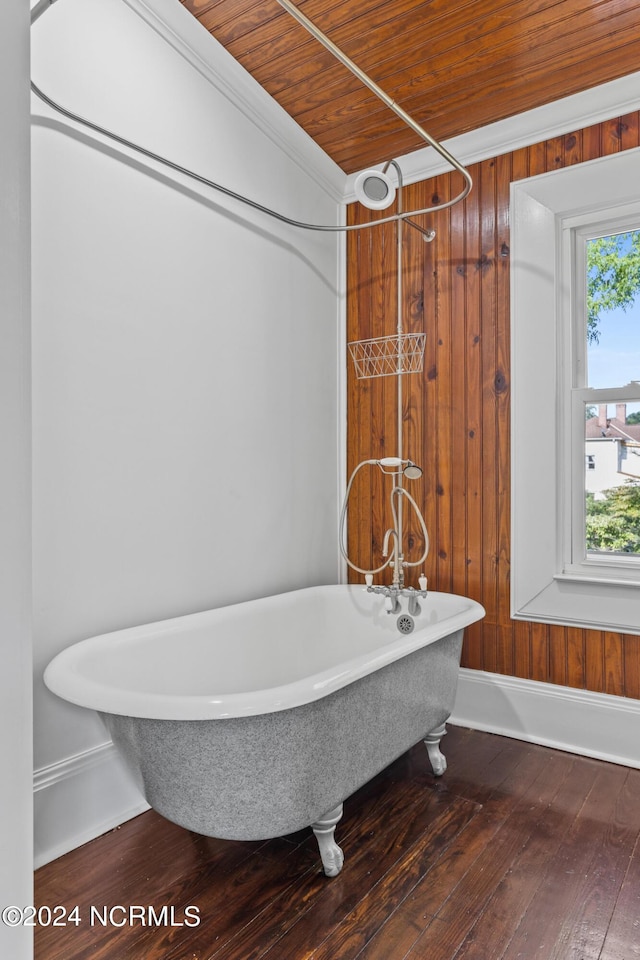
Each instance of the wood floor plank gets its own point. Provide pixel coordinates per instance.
(226, 902)
(368, 862)
(147, 854)
(565, 882)
(515, 891)
(622, 941)
(131, 847)
(458, 914)
(586, 925)
(476, 773)
(371, 913)
(409, 921)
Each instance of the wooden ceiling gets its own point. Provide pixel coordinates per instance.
(453, 66)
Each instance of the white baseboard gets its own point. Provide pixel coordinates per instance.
(576, 721)
(79, 799)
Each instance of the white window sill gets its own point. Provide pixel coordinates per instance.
(595, 578)
(587, 603)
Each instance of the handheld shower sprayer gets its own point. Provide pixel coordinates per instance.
(409, 468)
(396, 467)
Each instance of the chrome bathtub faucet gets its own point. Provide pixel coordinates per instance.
(392, 595)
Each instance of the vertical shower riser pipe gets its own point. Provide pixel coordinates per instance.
(399, 571)
(398, 575)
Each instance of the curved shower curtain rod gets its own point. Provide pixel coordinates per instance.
(43, 5)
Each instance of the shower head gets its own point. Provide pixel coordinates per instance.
(412, 471)
(374, 189)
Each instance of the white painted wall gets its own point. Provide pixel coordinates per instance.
(15, 541)
(185, 354)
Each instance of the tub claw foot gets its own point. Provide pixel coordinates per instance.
(330, 853)
(436, 757)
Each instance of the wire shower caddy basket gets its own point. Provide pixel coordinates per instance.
(388, 356)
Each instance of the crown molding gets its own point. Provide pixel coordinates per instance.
(201, 50)
(613, 99)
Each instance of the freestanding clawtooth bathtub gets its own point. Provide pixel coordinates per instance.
(258, 719)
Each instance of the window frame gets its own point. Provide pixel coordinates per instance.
(551, 214)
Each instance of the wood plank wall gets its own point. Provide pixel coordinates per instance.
(456, 413)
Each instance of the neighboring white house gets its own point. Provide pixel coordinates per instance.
(612, 450)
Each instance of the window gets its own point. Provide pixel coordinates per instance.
(575, 442)
(604, 374)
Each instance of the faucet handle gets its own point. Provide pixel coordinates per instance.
(423, 583)
(368, 579)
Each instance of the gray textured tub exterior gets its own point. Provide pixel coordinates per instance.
(251, 778)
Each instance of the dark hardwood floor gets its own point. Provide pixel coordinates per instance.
(518, 852)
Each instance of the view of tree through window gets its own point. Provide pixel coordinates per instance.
(612, 430)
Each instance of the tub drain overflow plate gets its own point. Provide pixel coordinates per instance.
(405, 623)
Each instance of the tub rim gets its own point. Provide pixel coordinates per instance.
(63, 676)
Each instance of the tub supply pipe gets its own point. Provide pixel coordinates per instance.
(392, 596)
